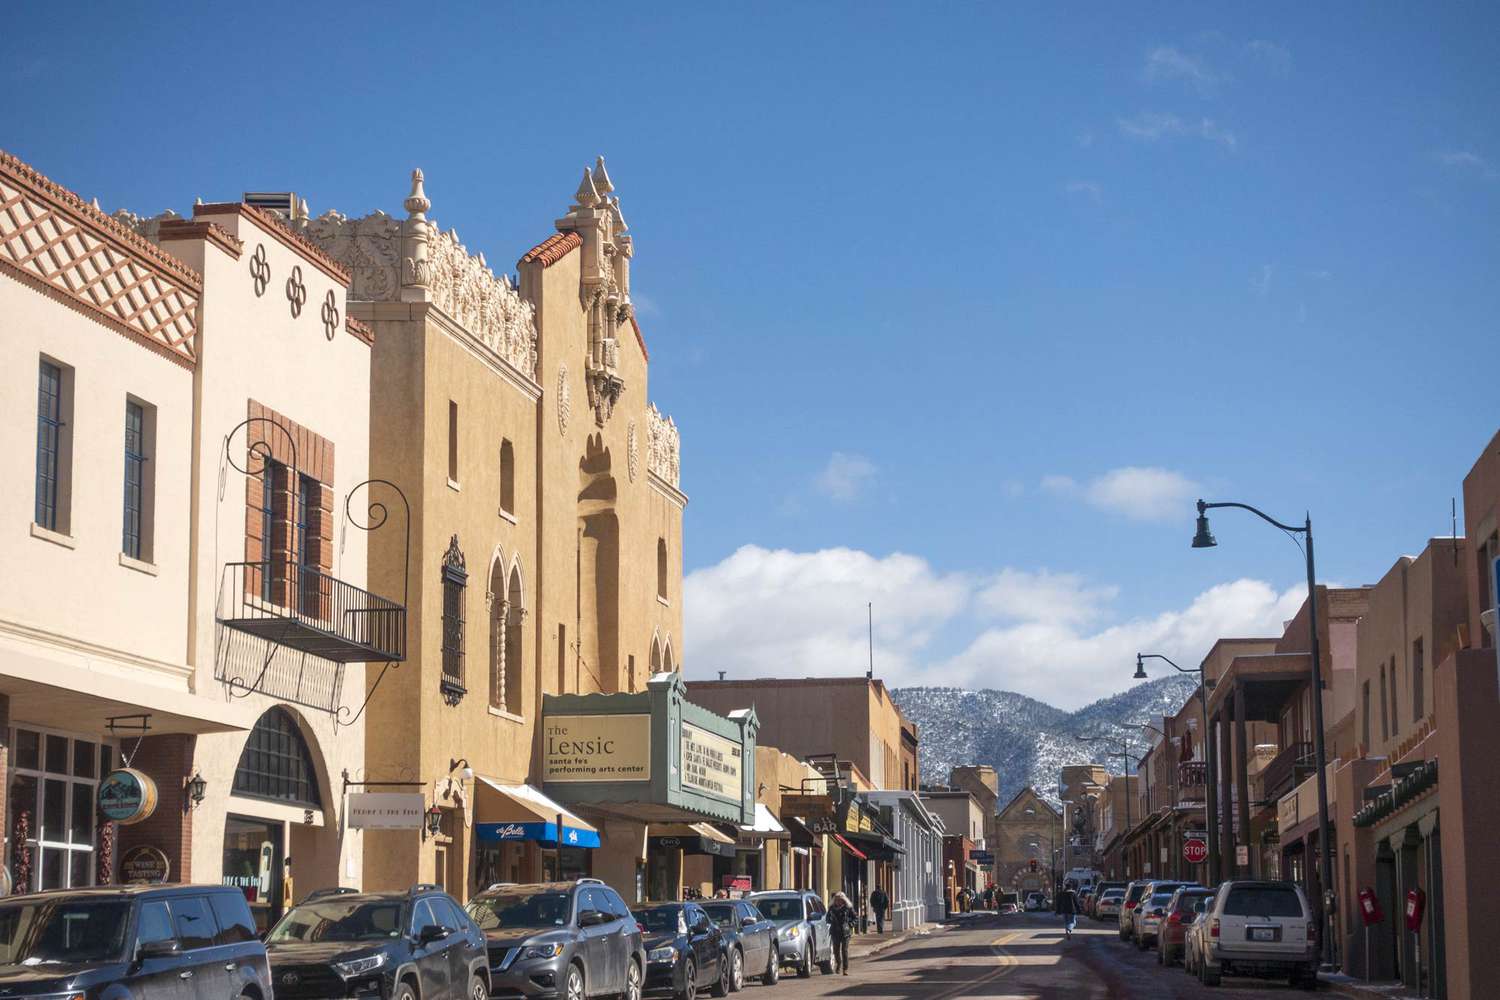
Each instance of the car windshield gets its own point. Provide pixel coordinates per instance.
(1161, 899)
(1113, 894)
(721, 913)
(339, 918)
(75, 931)
(1188, 900)
(780, 908)
(1263, 901)
(661, 920)
(509, 908)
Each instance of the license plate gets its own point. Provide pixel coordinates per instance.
(1264, 933)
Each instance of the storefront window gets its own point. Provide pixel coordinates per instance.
(52, 801)
(253, 864)
(276, 763)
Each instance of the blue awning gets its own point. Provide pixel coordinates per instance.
(543, 833)
(520, 812)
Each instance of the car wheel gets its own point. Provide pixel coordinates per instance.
(689, 989)
(826, 968)
(720, 987)
(804, 967)
(736, 971)
(773, 969)
(1207, 977)
(632, 982)
(573, 989)
(477, 989)
(404, 991)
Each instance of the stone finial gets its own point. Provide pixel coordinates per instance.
(416, 203)
(198, 200)
(299, 212)
(587, 195)
(94, 203)
(601, 178)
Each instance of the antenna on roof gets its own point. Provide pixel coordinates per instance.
(1453, 513)
(870, 611)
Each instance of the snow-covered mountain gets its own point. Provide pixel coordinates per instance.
(1027, 741)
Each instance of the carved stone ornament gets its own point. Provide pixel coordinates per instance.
(395, 261)
(330, 315)
(260, 270)
(564, 399)
(296, 291)
(604, 288)
(662, 456)
(632, 452)
(453, 559)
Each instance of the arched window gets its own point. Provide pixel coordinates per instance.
(507, 477)
(661, 568)
(655, 655)
(276, 763)
(667, 663)
(455, 578)
(497, 633)
(515, 615)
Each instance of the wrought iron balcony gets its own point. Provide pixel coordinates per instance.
(1192, 781)
(1286, 769)
(301, 608)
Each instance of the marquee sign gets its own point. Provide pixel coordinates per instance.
(710, 763)
(596, 748)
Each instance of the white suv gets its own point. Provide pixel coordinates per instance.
(1260, 929)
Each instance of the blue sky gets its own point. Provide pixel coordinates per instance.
(958, 306)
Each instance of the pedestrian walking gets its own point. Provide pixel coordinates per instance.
(841, 928)
(1067, 906)
(879, 902)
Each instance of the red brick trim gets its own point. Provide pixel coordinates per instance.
(168, 759)
(283, 233)
(360, 329)
(105, 319)
(106, 228)
(553, 249)
(638, 338)
(184, 229)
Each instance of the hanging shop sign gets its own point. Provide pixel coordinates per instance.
(127, 796)
(144, 865)
(807, 806)
(596, 748)
(386, 810)
(710, 763)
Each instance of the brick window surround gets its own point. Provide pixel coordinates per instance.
(291, 528)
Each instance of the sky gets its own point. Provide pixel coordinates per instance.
(958, 306)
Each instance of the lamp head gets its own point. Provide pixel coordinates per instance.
(1140, 668)
(1203, 538)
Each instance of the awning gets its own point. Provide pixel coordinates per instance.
(521, 812)
(692, 838)
(877, 846)
(765, 825)
(850, 847)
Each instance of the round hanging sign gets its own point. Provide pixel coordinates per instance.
(144, 865)
(127, 796)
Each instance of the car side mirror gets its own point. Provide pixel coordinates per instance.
(431, 933)
(591, 918)
(158, 949)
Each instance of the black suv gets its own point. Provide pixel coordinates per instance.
(187, 942)
(560, 939)
(387, 945)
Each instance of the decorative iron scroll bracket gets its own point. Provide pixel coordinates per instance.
(375, 518)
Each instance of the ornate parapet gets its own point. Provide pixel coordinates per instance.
(663, 446)
(393, 261)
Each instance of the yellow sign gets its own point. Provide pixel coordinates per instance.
(711, 764)
(596, 748)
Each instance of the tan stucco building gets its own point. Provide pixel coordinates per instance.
(1028, 836)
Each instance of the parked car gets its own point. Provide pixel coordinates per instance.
(1036, 902)
(1196, 934)
(567, 939)
(1009, 908)
(1138, 916)
(1108, 906)
(752, 941)
(1182, 908)
(1259, 928)
(1085, 900)
(417, 942)
(1127, 907)
(1100, 889)
(1149, 914)
(685, 950)
(190, 941)
(802, 933)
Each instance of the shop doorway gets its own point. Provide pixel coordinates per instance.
(254, 863)
(54, 783)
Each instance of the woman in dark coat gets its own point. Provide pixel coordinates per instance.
(1067, 906)
(841, 929)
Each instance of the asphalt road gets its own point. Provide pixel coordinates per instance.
(1016, 957)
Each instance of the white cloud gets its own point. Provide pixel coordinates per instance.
(1468, 162)
(1150, 126)
(1167, 63)
(845, 476)
(1140, 493)
(1276, 57)
(1089, 189)
(777, 613)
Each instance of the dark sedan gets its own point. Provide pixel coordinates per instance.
(685, 950)
(751, 941)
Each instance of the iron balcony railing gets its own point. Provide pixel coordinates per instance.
(301, 608)
(1286, 769)
(1192, 781)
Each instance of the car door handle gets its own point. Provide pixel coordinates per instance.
(185, 974)
(229, 966)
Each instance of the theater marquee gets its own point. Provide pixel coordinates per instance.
(596, 748)
(710, 763)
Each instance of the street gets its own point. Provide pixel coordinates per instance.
(1019, 956)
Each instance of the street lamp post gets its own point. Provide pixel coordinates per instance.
(1209, 757)
(1123, 752)
(1204, 539)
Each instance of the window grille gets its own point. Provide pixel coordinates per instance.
(48, 433)
(135, 466)
(276, 763)
(455, 578)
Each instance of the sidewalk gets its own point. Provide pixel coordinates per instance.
(865, 945)
(1349, 986)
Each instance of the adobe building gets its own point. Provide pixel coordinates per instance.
(980, 781)
(1028, 842)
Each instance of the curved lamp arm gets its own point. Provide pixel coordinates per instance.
(1257, 512)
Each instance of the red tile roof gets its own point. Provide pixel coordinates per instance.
(553, 249)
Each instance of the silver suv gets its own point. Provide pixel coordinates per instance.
(803, 938)
(560, 939)
(1258, 929)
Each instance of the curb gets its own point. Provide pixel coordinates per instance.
(1359, 989)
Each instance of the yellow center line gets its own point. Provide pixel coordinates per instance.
(1007, 963)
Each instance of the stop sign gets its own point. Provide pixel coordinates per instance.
(1195, 852)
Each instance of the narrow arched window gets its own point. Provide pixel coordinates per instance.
(455, 578)
(655, 656)
(661, 568)
(507, 478)
(498, 634)
(277, 764)
(514, 672)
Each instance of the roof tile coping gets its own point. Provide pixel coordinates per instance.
(553, 249)
(187, 229)
(42, 185)
(310, 251)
